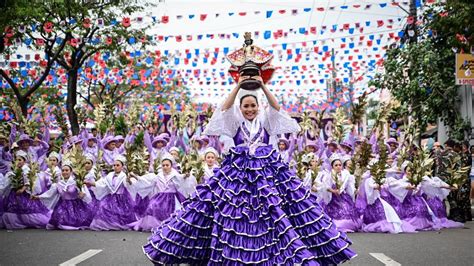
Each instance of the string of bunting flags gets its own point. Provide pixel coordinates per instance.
(272, 13)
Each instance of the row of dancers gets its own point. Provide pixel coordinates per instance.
(123, 200)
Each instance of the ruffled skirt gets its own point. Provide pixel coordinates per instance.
(254, 211)
(342, 210)
(160, 207)
(71, 215)
(115, 212)
(20, 211)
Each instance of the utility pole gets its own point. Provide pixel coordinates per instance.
(412, 32)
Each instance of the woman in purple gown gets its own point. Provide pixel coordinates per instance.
(339, 196)
(254, 210)
(163, 192)
(20, 210)
(116, 206)
(413, 207)
(71, 209)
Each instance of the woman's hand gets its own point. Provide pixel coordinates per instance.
(241, 79)
(81, 195)
(21, 190)
(410, 187)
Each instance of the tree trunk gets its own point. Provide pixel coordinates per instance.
(71, 100)
(23, 103)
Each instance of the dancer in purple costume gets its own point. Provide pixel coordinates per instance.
(413, 208)
(20, 210)
(116, 208)
(71, 209)
(434, 192)
(339, 197)
(378, 215)
(162, 189)
(254, 210)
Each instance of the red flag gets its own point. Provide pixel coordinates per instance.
(202, 17)
(165, 19)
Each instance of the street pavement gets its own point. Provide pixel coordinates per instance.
(42, 247)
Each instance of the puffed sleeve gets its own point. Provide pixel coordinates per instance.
(223, 122)
(279, 122)
(50, 197)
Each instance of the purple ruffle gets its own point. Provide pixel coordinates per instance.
(438, 208)
(253, 211)
(20, 211)
(115, 212)
(342, 210)
(71, 215)
(160, 208)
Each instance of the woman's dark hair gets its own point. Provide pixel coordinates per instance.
(248, 95)
(332, 163)
(169, 160)
(344, 165)
(68, 166)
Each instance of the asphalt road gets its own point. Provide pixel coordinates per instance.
(42, 247)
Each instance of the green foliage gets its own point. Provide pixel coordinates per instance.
(358, 109)
(339, 131)
(360, 161)
(456, 174)
(77, 158)
(16, 178)
(193, 164)
(420, 75)
(420, 166)
(377, 170)
(121, 127)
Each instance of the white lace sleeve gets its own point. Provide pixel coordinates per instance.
(279, 122)
(223, 122)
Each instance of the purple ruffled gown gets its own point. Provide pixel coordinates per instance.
(164, 200)
(21, 211)
(116, 206)
(341, 208)
(253, 211)
(70, 212)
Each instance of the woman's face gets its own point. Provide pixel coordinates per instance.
(348, 164)
(210, 159)
(159, 144)
(310, 149)
(313, 163)
(249, 108)
(282, 146)
(175, 154)
(88, 165)
(111, 146)
(118, 167)
(337, 166)
(91, 143)
(53, 161)
(66, 172)
(20, 162)
(166, 166)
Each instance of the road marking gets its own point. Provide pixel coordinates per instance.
(384, 259)
(82, 257)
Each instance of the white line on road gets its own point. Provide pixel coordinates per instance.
(82, 257)
(384, 259)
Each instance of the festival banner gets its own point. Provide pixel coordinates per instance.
(464, 69)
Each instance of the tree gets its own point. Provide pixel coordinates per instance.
(420, 75)
(24, 85)
(91, 27)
